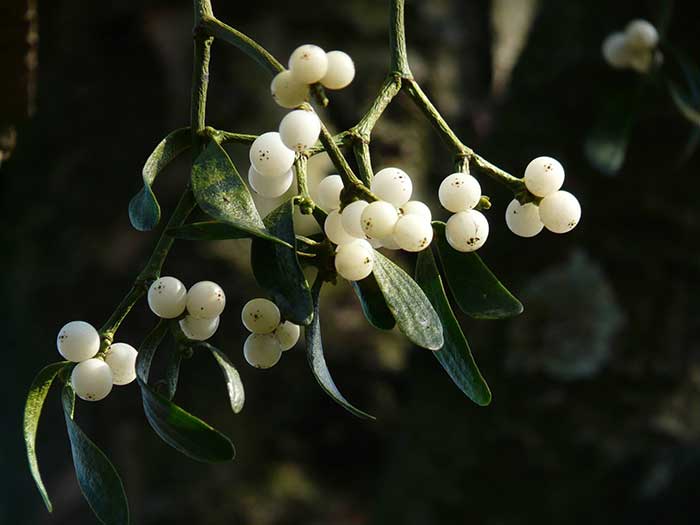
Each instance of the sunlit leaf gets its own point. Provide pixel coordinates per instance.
(144, 210)
(314, 351)
(277, 270)
(477, 291)
(684, 107)
(32, 412)
(234, 385)
(97, 477)
(221, 193)
(415, 316)
(455, 356)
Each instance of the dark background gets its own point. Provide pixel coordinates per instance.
(596, 410)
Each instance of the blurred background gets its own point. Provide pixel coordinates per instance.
(596, 387)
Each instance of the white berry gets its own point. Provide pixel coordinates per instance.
(417, 208)
(308, 64)
(287, 92)
(543, 176)
(641, 60)
(269, 156)
(260, 316)
(467, 231)
(270, 187)
(615, 50)
(389, 243)
(262, 350)
(641, 34)
(459, 192)
(523, 219)
(92, 380)
(329, 192)
(206, 300)
(340, 70)
(199, 329)
(378, 219)
(352, 218)
(392, 185)
(333, 227)
(287, 335)
(354, 261)
(167, 297)
(78, 341)
(560, 212)
(299, 129)
(121, 359)
(413, 233)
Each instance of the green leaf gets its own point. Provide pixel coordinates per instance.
(144, 210)
(455, 356)
(222, 195)
(314, 351)
(476, 290)
(97, 477)
(32, 412)
(373, 304)
(412, 310)
(690, 113)
(208, 231)
(234, 385)
(172, 373)
(184, 432)
(277, 270)
(178, 428)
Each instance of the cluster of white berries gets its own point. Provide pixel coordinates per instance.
(393, 222)
(558, 211)
(272, 154)
(93, 377)
(634, 48)
(269, 336)
(168, 298)
(467, 229)
(309, 64)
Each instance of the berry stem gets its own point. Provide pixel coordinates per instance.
(461, 151)
(390, 88)
(224, 137)
(214, 27)
(364, 161)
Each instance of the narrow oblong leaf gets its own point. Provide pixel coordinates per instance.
(208, 231)
(144, 210)
(415, 316)
(32, 412)
(184, 432)
(172, 373)
(222, 194)
(277, 270)
(455, 356)
(181, 430)
(234, 385)
(373, 304)
(98, 479)
(314, 352)
(476, 290)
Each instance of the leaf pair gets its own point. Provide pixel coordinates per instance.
(97, 477)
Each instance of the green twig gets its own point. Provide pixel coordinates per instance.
(397, 40)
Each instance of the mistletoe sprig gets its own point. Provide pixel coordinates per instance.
(358, 213)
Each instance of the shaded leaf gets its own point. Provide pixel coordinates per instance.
(476, 290)
(148, 348)
(172, 373)
(234, 385)
(455, 356)
(415, 316)
(221, 193)
(144, 210)
(277, 270)
(314, 351)
(208, 231)
(184, 432)
(97, 477)
(32, 412)
(373, 304)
